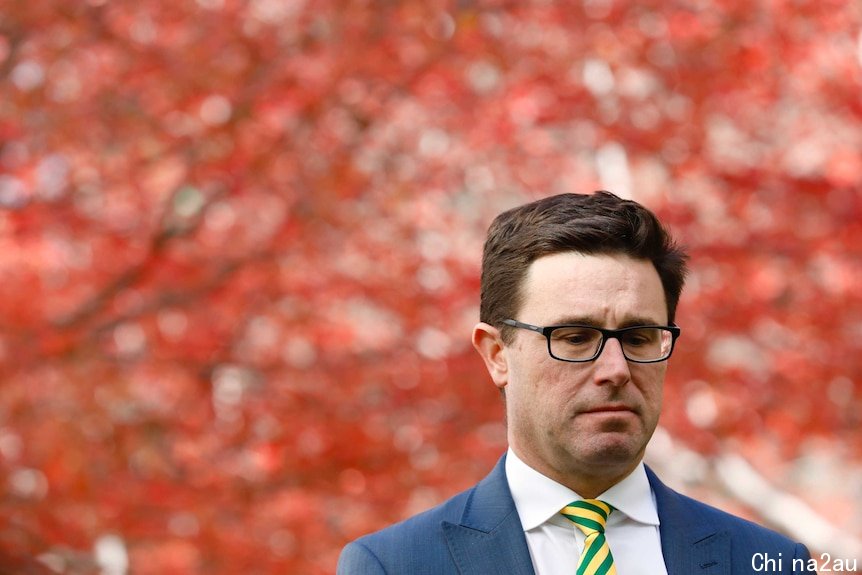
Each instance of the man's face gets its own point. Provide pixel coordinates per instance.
(584, 419)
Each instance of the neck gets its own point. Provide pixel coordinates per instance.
(587, 485)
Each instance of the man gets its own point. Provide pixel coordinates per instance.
(578, 299)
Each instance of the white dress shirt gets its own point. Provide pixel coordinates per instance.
(555, 542)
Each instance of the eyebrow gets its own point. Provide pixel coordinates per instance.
(593, 322)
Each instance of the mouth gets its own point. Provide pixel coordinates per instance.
(621, 409)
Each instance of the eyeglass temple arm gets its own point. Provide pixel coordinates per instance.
(518, 324)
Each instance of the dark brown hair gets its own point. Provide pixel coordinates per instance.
(599, 223)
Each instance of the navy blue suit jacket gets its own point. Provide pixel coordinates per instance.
(478, 532)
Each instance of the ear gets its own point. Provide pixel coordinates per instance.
(489, 344)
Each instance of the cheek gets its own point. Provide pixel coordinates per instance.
(651, 384)
(530, 366)
(535, 386)
(654, 384)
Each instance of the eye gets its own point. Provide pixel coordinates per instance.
(576, 336)
(640, 337)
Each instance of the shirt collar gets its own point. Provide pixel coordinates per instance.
(539, 498)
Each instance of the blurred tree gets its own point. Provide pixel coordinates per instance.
(240, 242)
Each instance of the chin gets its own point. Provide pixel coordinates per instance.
(613, 452)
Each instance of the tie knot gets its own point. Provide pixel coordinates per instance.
(589, 515)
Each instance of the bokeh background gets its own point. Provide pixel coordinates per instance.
(240, 244)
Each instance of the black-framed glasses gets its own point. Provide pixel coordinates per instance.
(583, 343)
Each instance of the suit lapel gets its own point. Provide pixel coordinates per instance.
(489, 537)
(690, 546)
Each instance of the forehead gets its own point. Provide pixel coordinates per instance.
(610, 289)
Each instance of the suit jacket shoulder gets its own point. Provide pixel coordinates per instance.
(699, 539)
(404, 547)
(474, 532)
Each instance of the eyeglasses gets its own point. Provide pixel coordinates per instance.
(583, 343)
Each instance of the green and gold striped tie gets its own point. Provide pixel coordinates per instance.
(590, 515)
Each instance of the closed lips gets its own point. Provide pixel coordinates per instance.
(608, 408)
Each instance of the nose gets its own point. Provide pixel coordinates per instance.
(611, 367)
